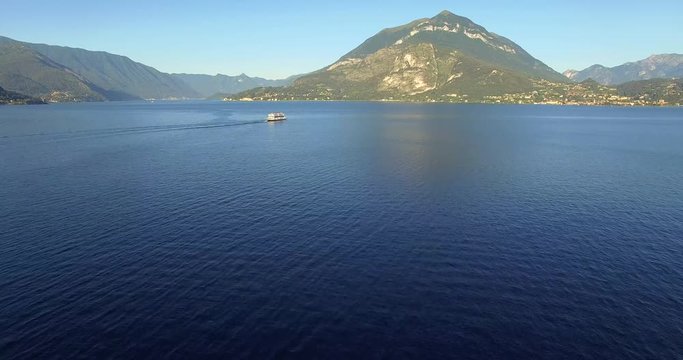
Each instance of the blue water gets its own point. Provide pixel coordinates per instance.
(352, 230)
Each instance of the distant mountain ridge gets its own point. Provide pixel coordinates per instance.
(208, 85)
(445, 57)
(665, 66)
(117, 77)
(58, 74)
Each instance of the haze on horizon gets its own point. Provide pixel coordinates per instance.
(274, 40)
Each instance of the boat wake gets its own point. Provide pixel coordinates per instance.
(78, 134)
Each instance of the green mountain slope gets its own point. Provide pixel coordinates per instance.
(452, 32)
(11, 97)
(662, 91)
(445, 57)
(117, 77)
(26, 71)
(57, 73)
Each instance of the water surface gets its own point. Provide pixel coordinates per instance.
(352, 230)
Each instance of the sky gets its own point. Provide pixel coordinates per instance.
(276, 39)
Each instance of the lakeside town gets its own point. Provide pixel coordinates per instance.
(587, 93)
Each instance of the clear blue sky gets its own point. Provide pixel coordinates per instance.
(275, 39)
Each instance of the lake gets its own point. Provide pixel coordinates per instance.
(351, 230)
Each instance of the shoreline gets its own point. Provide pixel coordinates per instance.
(352, 101)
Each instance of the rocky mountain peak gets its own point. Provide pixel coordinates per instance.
(655, 66)
(451, 18)
(672, 59)
(447, 56)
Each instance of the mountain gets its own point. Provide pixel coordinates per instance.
(448, 31)
(656, 66)
(57, 73)
(11, 97)
(24, 70)
(445, 57)
(661, 91)
(117, 77)
(208, 85)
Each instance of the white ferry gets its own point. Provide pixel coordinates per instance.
(276, 117)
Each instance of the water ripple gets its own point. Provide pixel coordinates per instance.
(348, 231)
